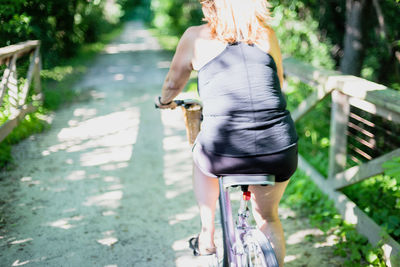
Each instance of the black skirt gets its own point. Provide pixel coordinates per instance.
(281, 164)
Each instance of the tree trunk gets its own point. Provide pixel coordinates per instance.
(352, 59)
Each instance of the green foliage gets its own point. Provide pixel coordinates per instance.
(168, 42)
(313, 128)
(32, 123)
(392, 168)
(62, 26)
(379, 197)
(380, 63)
(299, 36)
(303, 196)
(173, 17)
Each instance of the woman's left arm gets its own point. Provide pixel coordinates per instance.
(276, 54)
(180, 69)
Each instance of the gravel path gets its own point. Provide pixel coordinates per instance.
(110, 183)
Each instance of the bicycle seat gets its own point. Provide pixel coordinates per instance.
(243, 179)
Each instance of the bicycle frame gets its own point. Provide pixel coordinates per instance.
(229, 229)
(235, 236)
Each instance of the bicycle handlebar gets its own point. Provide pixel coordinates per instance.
(186, 103)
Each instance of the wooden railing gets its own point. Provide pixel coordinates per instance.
(346, 92)
(17, 94)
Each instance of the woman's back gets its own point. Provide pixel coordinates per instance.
(244, 109)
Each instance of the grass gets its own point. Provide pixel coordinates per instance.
(304, 197)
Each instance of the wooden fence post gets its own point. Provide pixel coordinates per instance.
(12, 85)
(339, 119)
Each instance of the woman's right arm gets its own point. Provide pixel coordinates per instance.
(180, 69)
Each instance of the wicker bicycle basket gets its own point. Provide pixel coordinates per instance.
(192, 117)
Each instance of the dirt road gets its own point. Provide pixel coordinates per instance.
(110, 183)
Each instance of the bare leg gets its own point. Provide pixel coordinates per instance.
(206, 190)
(265, 203)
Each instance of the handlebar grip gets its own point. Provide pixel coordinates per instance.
(179, 102)
(186, 103)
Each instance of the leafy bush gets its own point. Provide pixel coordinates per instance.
(61, 26)
(32, 123)
(173, 17)
(313, 128)
(303, 196)
(379, 197)
(299, 35)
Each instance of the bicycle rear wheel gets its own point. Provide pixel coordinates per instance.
(264, 258)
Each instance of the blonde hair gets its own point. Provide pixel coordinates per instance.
(237, 20)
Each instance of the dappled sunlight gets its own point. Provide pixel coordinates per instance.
(106, 155)
(177, 157)
(109, 213)
(101, 125)
(115, 187)
(112, 167)
(349, 213)
(20, 263)
(109, 238)
(110, 179)
(15, 242)
(69, 210)
(85, 113)
(76, 175)
(119, 77)
(96, 95)
(188, 214)
(29, 180)
(107, 140)
(163, 64)
(109, 199)
(299, 236)
(66, 223)
(115, 129)
(290, 258)
(175, 143)
(330, 241)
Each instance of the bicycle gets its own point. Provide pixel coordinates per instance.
(243, 244)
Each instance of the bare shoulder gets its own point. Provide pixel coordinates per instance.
(199, 31)
(205, 46)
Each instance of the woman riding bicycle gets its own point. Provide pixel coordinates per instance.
(246, 128)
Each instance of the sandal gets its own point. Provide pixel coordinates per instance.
(194, 245)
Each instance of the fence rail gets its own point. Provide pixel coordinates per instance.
(17, 94)
(347, 91)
